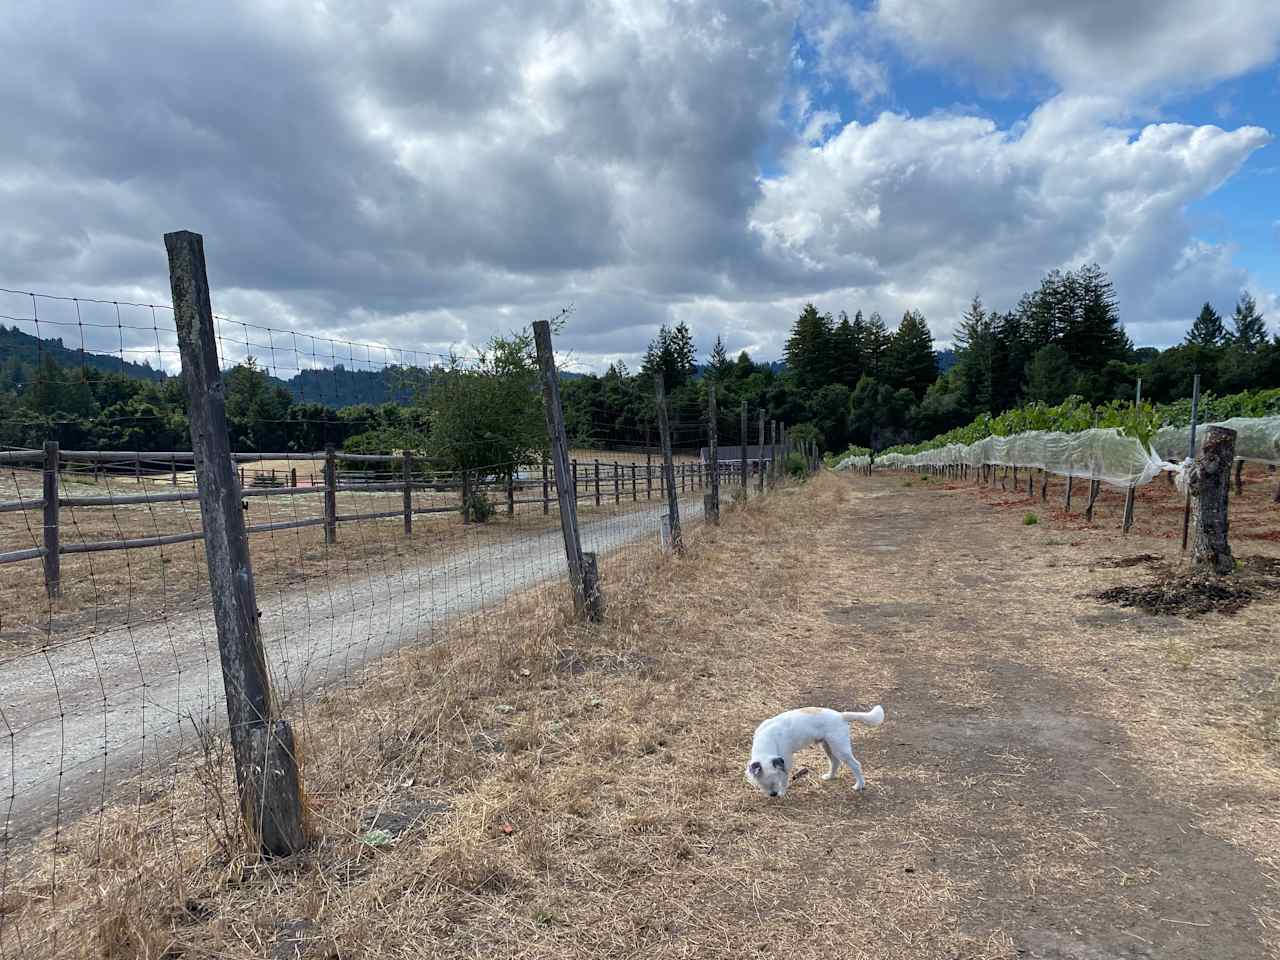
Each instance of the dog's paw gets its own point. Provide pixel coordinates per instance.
(860, 786)
(827, 776)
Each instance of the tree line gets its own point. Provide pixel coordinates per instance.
(844, 380)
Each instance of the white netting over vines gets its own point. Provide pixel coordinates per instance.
(1101, 454)
(1257, 439)
(848, 463)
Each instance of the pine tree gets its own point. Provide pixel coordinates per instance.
(845, 352)
(875, 344)
(808, 350)
(1050, 376)
(1249, 331)
(975, 345)
(684, 356)
(1012, 350)
(1094, 335)
(718, 363)
(912, 364)
(1207, 330)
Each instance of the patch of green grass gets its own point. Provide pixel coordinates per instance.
(1030, 519)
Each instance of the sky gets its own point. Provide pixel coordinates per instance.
(428, 174)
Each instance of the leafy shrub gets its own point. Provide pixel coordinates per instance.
(797, 466)
(1030, 520)
(480, 508)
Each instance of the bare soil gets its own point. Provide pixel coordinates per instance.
(1056, 777)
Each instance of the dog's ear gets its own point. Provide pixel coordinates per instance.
(779, 763)
(755, 768)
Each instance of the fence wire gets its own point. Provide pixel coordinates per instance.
(115, 768)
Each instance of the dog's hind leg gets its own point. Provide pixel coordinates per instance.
(833, 765)
(843, 752)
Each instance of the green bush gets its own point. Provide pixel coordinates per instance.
(480, 508)
(797, 466)
(1030, 520)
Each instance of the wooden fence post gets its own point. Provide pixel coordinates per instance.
(408, 493)
(546, 501)
(1044, 486)
(511, 490)
(648, 475)
(267, 776)
(594, 598)
(760, 456)
(1095, 487)
(51, 536)
(1129, 497)
(1070, 479)
(635, 491)
(1239, 476)
(713, 498)
(1209, 481)
(585, 584)
(742, 450)
(617, 486)
(668, 467)
(330, 494)
(597, 481)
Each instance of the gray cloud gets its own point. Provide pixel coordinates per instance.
(421, 175)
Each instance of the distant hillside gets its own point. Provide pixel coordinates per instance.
(946, 360)
(24, 348)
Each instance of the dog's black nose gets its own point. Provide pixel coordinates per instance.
(773, 793)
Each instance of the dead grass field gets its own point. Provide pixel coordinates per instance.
(131, 586)
(1055, 778)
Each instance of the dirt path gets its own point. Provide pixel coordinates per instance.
(1013, 751)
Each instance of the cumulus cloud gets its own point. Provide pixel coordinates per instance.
(1096, 46)
(413, 174)
(921, 208)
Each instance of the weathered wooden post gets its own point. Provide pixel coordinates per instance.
(617, 485)
(713, 497)
(584, 584)
(511, 490)
(51, 535)
(1209, 481)
(270, 789)
(546, 499)
(635, 489)
(760, 455)
(1095, 487)
(1070, 480)
(594, 598)
(648, 475)
(407, 469)
(597, 479)
(1239, 476)
(330, 494)
(668, 467)
(466, 496)
(1044, 486)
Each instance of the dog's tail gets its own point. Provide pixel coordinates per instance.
(872, 718)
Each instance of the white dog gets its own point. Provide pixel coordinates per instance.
(778, 738)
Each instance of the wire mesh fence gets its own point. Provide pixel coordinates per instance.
(116, 764)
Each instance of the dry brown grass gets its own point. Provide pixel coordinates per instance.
(613, 820)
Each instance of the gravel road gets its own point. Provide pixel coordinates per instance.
(85, 716)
